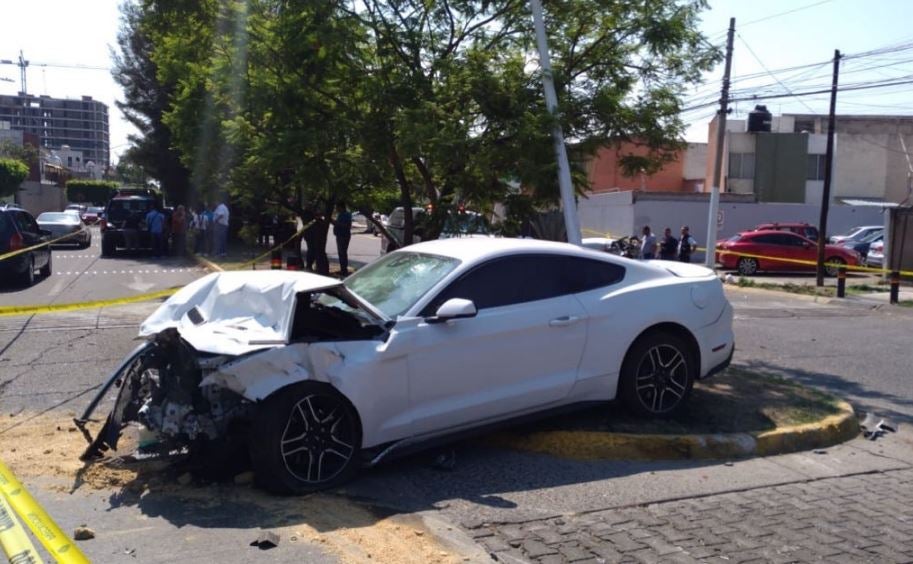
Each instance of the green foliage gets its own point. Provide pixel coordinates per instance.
(12, 173)
(97, 192)
(388, 103)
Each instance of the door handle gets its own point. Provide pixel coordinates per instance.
(563, 321)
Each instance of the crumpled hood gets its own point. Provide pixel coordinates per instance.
(235, 312)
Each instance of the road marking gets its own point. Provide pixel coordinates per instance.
(134, 272)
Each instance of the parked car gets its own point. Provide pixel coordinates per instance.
(856, 234)
(426, 343)
(122, 206)
(862, 247)
(875, 256)
(78, 208)
(803, 229)
(750, 252)
(93, 214)
(459, 224)
(18, 231)
(66, 224)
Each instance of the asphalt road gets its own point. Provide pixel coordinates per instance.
(50, 365)
(80, 275)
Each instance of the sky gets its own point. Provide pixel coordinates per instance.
(781, 34)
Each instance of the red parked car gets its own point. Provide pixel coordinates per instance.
(750, 252)
(803, 229)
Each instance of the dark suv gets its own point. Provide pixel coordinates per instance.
(19, 230)
(127, 207)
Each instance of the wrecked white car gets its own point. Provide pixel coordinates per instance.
(319, 377)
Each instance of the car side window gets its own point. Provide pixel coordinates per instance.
(795, 241)
(764, 240)
(26, 223)
(526, 278)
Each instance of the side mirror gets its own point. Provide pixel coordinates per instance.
(454, 308)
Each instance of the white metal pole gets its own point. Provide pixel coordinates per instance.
(710, 258)
(571, 221)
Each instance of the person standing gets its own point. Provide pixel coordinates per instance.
(179, 231)
(220, 225)
(342, 229)
(686, 245)
(668, 245)
(155, 223)
(648, 246)
(208, 236)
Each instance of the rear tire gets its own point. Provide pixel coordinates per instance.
(657, 374)
(27, 278)
(305, 438)
(47, 268)
(747, 266)
(107, 247)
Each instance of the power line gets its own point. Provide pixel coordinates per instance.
(772, 75)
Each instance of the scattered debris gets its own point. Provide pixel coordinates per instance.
(874, 427)
(266, 540)
(130, 552)
(83, 533)
(819, 451)
(728, 463)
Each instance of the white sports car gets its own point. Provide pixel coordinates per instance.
(319, 376)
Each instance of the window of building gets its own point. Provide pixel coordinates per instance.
(815, 167)
(741, 165)
(804, 126)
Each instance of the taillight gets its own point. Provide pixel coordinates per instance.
(16, 242)
(102, 224)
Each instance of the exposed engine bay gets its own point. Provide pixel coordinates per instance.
(185, 396)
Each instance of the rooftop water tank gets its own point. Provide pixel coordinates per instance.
(759, 119)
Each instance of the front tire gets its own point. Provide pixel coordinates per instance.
(832, 266)
(747, 266)
(657, 374)
(47, 268)
(107, 247)
(305, 438)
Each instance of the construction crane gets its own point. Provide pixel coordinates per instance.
(23, 65)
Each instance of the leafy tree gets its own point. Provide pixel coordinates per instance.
(92, 191)
(147, 96)
(12, 173)
(456, 104)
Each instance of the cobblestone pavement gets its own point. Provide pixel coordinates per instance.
(862, 518)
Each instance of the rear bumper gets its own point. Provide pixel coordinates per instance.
(721, 366)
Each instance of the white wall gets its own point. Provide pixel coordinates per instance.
(614, 216)
(695, 162)
(860, 167)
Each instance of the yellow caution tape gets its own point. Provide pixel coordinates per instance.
(812, 263)
(6, 311)
(607, 234)
(244, 265)
(13, 541)
(37, 520)
(38, 246)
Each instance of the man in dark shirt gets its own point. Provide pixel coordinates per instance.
(668, 246)
(342, 229)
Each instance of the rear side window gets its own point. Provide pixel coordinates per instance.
(25, 222)
(527, 278)
(6, 226)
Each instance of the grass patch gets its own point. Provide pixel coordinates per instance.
(810, 289)
(905, 303)
(736, 401)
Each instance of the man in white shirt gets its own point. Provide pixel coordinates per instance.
(220, 224)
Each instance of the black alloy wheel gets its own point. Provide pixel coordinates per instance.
(307, 438)
(658, 374)
(747, 266)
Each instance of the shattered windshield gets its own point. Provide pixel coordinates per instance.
(397, 281)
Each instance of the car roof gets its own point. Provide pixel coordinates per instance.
(470, 250)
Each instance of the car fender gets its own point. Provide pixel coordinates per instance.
(375, 382)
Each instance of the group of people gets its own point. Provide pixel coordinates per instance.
(209, 226)
(668, 247)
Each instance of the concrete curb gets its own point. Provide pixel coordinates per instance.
(598, 445)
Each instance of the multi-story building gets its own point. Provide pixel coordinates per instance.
(684, 173)
(81, 124)
(782, 158)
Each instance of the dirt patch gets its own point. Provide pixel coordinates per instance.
(49, 447)
(736, 401)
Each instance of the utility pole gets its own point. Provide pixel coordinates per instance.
(710, 258)
(828, 173)
(571, 221)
